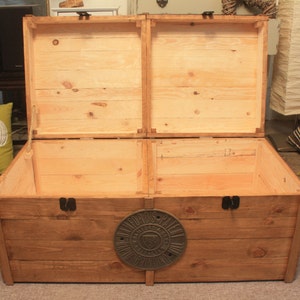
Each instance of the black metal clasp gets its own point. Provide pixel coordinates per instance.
(231, 202)
(67, 204)
(83, 14)
(208, 13)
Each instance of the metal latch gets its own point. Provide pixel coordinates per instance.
(83, 14)
(231, 202)
(67, 204)
(208, 13)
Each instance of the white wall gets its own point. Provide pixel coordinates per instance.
(122, 4)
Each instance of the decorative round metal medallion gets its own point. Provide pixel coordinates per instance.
(150, 239)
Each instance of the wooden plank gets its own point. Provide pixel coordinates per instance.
(103, 229)
(210, 147)
(82, 185)
(65, 230)
(89, 95)
(241, 249)
(146, 73)
(203, 109)
(177, 127)
(294, 252)
(150, 278)
(13, 181)
(235, 260)
(90, 30)
(52, 250)
(200, 40)
(270, 163)
(216, 271)
(72, 60)
(83, 110)
(205, 165)
(22, 208)
(87, 167)
(39, 21)
(215, 93)
(75, 271)
(192, 25)
(239, 228)
(4, 260)
(77, 79)
(205, 184)
(267, 208)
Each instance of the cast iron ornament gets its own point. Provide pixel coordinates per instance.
(162, 3)
(150, 240)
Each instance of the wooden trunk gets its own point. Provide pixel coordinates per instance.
(146, 159)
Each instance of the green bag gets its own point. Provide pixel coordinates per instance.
(6, 146)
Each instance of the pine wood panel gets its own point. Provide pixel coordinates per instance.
(206, 185)
(80, 59)
(13, 181)
(208, 166)
(235, 60)
(270, 163)
(218, 167)
(88, 167)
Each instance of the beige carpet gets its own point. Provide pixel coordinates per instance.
(269, 290)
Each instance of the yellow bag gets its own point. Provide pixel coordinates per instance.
(6, 146)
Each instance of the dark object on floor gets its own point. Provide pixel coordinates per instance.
(294, 139)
